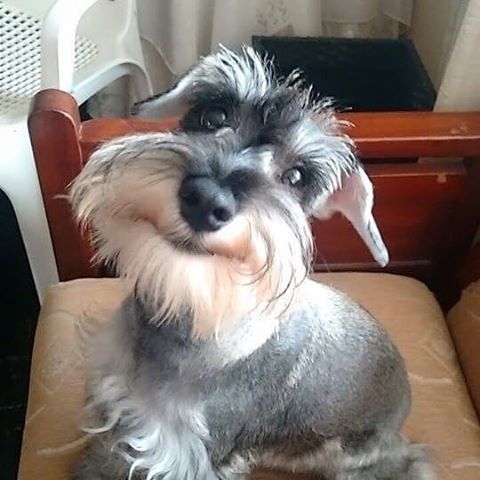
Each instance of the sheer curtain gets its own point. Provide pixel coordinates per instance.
(175, 33)
(460, 85)
(179, 31)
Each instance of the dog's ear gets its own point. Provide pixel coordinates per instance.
(355, 201)
(172, 103)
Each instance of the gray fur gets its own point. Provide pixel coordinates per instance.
(321, 389)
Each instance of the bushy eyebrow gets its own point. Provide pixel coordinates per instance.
(281, 108)
(213, 95)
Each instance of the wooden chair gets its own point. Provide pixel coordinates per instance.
(427, 210)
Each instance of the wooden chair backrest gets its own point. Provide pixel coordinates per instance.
(428, 211)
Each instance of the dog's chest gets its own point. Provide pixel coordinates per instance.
(167, 353)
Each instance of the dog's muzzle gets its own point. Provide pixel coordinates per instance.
(205, 204)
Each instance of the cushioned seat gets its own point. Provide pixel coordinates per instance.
(442, 417)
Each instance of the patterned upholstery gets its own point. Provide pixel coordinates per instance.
(464, 323)
(442, 417)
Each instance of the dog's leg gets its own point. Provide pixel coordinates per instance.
(391, 458)
(99, 463)
(386, 459)
(412, 466)
(236, 468)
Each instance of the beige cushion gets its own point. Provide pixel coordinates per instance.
(464, 323)
(442, 416)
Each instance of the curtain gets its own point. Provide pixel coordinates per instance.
(460, 86)
(175, 33)
(180, 31)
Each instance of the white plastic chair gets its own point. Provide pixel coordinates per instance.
(79, 46)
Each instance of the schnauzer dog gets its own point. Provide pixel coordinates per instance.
(226, 356)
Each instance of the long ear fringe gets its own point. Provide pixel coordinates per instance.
(355, 201)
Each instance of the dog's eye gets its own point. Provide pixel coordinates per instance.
(213, 118)
(294, 177)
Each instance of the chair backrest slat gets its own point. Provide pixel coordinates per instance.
(54, 132)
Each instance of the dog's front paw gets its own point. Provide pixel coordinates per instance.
(85, 470)
(99, 463)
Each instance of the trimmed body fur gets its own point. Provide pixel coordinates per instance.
(192, 409)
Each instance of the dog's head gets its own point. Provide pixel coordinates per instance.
(222, 204)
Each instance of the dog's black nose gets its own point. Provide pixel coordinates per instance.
(206, 205)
